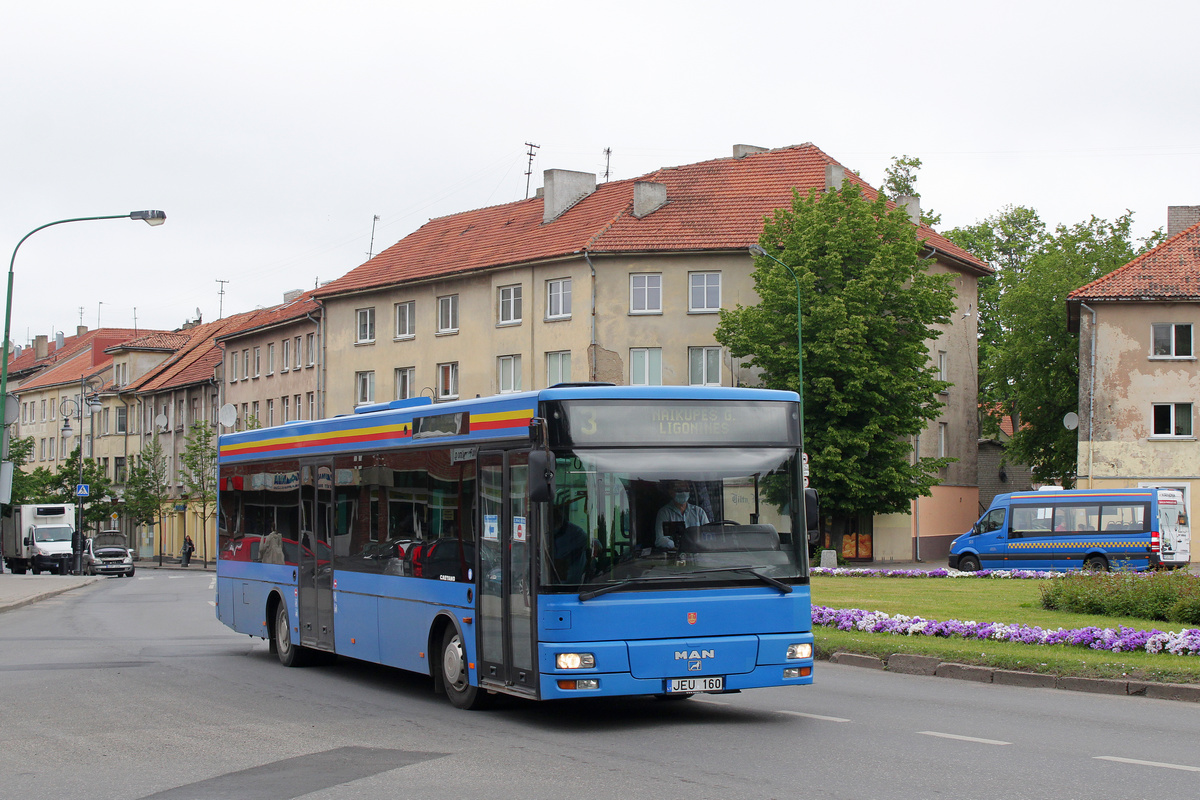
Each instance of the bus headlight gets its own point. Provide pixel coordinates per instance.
(799, 651)
(575, 660)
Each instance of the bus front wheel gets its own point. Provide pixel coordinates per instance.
(454, 673)
(290, 654)
(968, 564)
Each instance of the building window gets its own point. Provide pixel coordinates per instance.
(271, 358)
(509, 312)
(405, 378)
(941, 440)
(285, 409)
(246, 364)
(406, 319)
(1172, 340)
(233, 362)
(180, 422)
(298, 407)
(254, 419)
(704, 292)
(311, 398)
(558, 367)
(310, 349)
(119, 469)
(943, 369)
(366, 327)
(297, 341)
(558, 299)
(645, 294)
(365, 387)
(704, 366)
(448, 381)
(52, 443)
(448, 314)
(510, 374)
(1173, 419)
(104, 419)
(286, 353)
(257, 361)
(122, 419)
(645, 366)
(270, 413)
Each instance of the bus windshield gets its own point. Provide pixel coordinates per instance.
(672, 518)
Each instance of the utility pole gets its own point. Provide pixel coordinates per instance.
(532, 147)
(221, 299)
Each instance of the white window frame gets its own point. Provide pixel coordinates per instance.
(257, 361)
(311, 401)
(508, 305)
(645, 287)
(285, 408)
(447, 319)
(270, 413)
(246, 364)
(704, 287)
(943, 428)
(943, 369)
(364, 328)
(405, 382)
(310, 349)
(1173, 330)
(405, 318)
(364, 387)
(558, 364)
(296, 341)
(649, 371)
(286, 353)
(558, 298)
(271, 358)
(1174, 409)
(704, 356)
(509, 378)
(447, 383)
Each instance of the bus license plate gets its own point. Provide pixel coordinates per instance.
(713, 683)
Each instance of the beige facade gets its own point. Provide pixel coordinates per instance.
(272, 375)
(1137, 408)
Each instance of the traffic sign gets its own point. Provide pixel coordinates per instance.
(82, 490)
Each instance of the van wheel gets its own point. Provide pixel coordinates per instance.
(968, 564)
(290, 655)
(1095, 564)
(455, 676)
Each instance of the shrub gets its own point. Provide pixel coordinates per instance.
(1173, 596)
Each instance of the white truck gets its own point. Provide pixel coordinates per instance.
(38, 537)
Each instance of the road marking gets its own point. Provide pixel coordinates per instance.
(1164, 765)
(961, 738)
(813, 716)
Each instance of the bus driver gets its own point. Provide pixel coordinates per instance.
(677, 510)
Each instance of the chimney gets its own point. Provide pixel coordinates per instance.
(912, 205)
(835, 176)
(1180, 218)
(59, 340)
(743, 150)
(41, 347)
(291, 296)
(17, 350)
(564, 189)
(648, 197)
(80, 330)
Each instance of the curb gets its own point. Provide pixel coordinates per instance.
(24, 601)
(908, 664)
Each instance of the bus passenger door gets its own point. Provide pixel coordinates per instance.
(316, 556)
(506, 631)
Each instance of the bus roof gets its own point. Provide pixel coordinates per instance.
(1074, 495)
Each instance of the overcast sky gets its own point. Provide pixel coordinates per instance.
(271, 133)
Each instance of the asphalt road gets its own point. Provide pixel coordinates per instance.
(131, 689)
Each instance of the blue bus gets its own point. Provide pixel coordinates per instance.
(1075, 529)
(578, 541)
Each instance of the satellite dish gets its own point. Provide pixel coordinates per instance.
(12, 409)
(161, 421)
(1071, 420)
(228, 415)
(197, 312)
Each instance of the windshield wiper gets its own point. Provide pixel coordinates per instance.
(778, 584)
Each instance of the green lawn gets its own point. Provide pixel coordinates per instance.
(988, 600)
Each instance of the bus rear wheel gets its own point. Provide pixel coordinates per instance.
(1095, 564)
(455, 676)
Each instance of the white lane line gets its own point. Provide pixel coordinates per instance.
(962, 738)
(1139, 762)
(813, 716)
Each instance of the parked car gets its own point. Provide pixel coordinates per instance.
(108, 553)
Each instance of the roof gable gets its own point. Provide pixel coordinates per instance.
(1170, 271)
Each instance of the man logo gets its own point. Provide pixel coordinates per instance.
(691, 618)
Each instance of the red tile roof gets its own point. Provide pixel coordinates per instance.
(301, 307)
(194, 361)
(712, 205)
(1170, 271)
(78, 357)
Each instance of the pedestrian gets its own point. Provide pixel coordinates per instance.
(188, 548)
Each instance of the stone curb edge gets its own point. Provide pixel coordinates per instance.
(908, 664)
(24, 601)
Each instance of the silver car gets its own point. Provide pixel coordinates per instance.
(107, 553)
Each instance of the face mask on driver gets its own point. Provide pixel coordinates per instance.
(682, 497)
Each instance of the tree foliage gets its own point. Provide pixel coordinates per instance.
(27, 487)
(102, 500)
(198, 470)
(147, 489)
(900, 180)
(869, 308)
(1028, 360)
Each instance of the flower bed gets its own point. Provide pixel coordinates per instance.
(863, 572)
(1116, 640)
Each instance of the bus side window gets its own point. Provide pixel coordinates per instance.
(992, 521)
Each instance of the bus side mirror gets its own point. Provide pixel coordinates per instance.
(541, 476)
(812, 509)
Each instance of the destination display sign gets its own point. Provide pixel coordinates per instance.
(580, 423)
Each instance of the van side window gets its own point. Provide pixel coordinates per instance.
(992, 521)
(1031, 520)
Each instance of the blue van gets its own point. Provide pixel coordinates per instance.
(1078, 529)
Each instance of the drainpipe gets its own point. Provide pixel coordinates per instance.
(1091, 394)
(594, 354)
(320, 323)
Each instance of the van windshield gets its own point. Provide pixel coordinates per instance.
(52, 533)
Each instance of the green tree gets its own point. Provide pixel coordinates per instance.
(199, 473)
(900, 180)
(102, 501)
(27, 487)
(869, 308)
(147, 490)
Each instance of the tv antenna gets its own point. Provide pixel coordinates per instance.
(371, 250)
(607, 161)
(532, 147)
(221, 299)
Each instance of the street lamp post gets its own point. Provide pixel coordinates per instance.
(759, 250)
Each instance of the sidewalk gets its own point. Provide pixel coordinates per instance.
(21, 590)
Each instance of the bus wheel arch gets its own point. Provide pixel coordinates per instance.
(450, 667)
(273, 601)
(968, 562)
(1095, 562)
